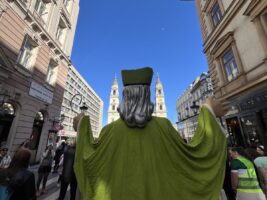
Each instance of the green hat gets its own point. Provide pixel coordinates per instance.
(142, 76)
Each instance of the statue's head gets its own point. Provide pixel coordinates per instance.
(136, 108)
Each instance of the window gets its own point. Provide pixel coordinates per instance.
(61, 32)
(216, 14)
(27, 53)
(229, 65)
(159, 91)
(264, 21)
(42, 8)
(113, 107)
(51, 72)
(114, 92)
(160, 107)
(68, 5)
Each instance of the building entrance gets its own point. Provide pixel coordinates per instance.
(235, 133)
(6, 119)
(36, 134)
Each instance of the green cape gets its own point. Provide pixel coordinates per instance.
(152, 163)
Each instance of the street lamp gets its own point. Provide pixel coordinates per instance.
(194, 107)
(83, 108)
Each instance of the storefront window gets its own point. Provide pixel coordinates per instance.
(250, 130)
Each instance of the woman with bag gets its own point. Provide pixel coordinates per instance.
(17, 182)
(44, 169)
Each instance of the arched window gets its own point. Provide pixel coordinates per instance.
(114, 92)
(113, 107)
(159, 91)
(7, 114)
(160, 107)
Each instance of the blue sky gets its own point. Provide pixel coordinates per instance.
(112, 35)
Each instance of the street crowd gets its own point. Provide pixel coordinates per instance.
(17, 182)
(245, 177)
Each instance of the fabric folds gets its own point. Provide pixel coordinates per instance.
(152, 163)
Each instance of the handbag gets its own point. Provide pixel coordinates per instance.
(47, 161)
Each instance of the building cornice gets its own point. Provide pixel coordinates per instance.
(255, 8)
(254, 83)
(226, 19)
(37, 26)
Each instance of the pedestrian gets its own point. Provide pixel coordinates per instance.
(227, 185)
(68, 177)
(26, 144)
(4, 157)
(243, 176)
(60, 170)
(18, 180)
(44, 169)
(140, 156)
(261, 164)
(59, 151)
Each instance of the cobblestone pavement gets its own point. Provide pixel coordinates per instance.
(52, 190)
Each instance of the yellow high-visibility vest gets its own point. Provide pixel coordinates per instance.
(247, 179)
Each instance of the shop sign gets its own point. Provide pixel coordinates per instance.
(40, 92)
(58, 126)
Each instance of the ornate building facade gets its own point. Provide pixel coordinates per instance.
(194, 96)
(114, 102)
(235, 43)
(36, 39)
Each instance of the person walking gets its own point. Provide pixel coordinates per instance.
(68, 177)
(60, 170)
(18, 180)
(59, 151)
(44, 169)
(243, 177)
(227, 185)
(261, 164)
(5, 159)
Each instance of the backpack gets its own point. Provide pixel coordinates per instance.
(11, 184)
(5, 193)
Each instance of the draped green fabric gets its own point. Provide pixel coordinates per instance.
(151, 163)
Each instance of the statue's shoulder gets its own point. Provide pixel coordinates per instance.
(163, 121)
(112, 124)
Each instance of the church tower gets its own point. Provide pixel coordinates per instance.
(160, 107)
(113, 114)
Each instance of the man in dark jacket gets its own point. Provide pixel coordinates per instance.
(68, 176)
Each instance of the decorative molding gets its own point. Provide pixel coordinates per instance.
(227, 18)
(224, 41)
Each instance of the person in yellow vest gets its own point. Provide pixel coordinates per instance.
(244, 177)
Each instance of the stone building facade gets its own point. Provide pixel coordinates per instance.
(235, 43)
(77, 92)
(36, 39)
(196, 94)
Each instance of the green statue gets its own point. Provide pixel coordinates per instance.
(142, 157)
